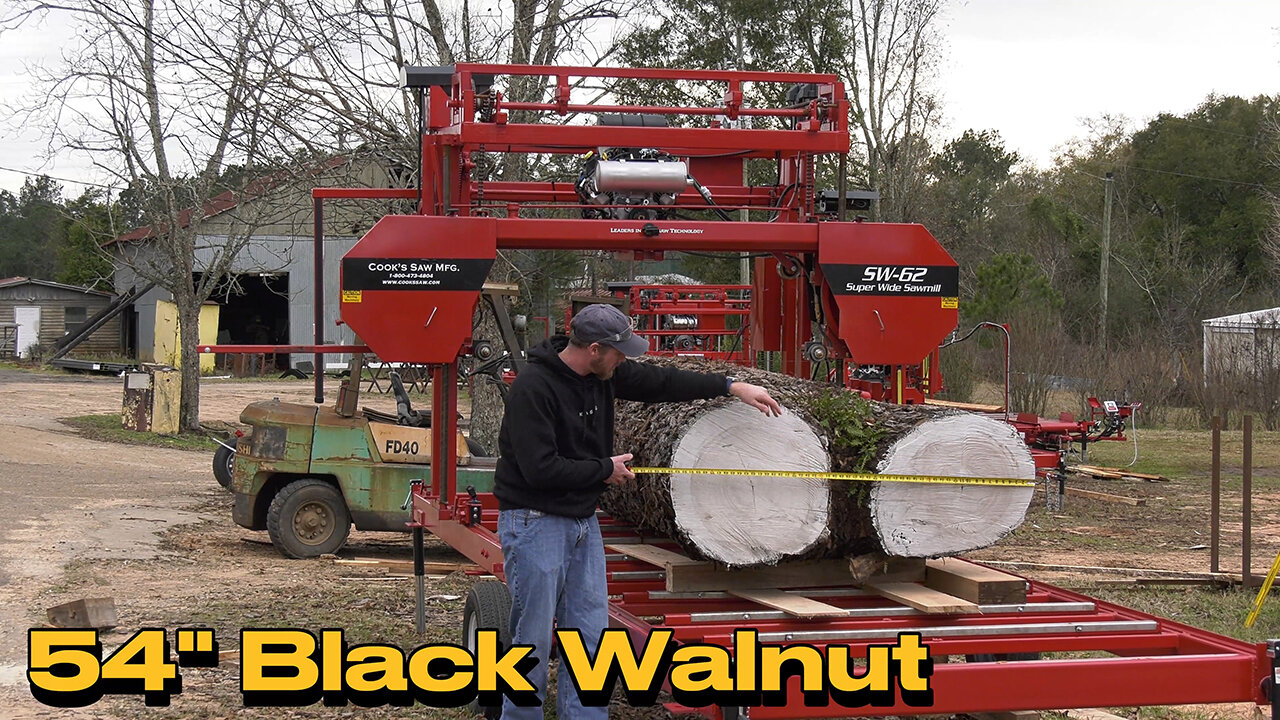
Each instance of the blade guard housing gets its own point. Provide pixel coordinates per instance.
(895, 290)
(411, 284)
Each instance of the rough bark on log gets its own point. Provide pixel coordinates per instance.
(744, 521)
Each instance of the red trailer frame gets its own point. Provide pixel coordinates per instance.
(879, 294)
(1133, 658)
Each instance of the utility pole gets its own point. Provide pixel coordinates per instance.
(1104, 270)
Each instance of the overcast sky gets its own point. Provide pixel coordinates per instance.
(1031, 69)
(1034, 69)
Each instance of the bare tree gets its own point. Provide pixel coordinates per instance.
(167, 98)
(339, 72)
(338, 63)
(1271, 240)
(1180, 288)
(894, 47)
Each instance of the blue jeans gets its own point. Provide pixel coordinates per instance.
(555, 570)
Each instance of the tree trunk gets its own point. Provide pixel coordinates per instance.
(188, 341)
(744, 521)
(486, 401)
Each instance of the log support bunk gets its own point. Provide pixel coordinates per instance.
(879, 295)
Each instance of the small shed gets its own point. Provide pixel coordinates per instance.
(1245, 344)
(42, 311)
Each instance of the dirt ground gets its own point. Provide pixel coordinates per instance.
(152, 529)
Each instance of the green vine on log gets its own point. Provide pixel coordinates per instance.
(853, 435)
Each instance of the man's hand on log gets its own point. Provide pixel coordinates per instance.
(621, 473)
(755, 396)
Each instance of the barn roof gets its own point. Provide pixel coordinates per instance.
(19, 280)
(229, 200)
(1255, 318)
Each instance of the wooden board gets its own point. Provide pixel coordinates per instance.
(407, 565)
(973, 407)
(654, 555)
(685, 574)
(1093, 472)
(1106, 497)
(790, 603)
(1007, 715)
(87, 613)
(1091, 714)
(706, 576)
(975, 583)
(494, 288)
(1119, 471)
(926, 600)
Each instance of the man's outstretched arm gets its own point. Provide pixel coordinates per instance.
(652, 383)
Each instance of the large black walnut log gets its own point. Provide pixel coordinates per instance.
(744, 521)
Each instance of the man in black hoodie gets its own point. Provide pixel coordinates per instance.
(556, 458)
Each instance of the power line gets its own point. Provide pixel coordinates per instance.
(1204, 127)
(55, 177)
(1195, 177)
(1260, 186)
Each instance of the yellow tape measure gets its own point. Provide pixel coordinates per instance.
(860, 477)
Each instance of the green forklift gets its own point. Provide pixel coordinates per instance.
(306, 473)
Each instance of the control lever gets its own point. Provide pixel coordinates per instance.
(475, 509)
(408, 499)
(404, 410)
(419, 567)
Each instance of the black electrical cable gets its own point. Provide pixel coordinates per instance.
(736, 338)
(966, 336)
(777, 213)
(723, 256)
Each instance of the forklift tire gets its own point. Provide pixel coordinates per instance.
(224, 461)
(308, 518)
(488, 607)
(476, 449)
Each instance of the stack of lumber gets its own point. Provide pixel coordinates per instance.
(1110, 473)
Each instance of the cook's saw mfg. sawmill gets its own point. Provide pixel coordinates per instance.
(831, 295)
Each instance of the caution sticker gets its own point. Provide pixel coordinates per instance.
(948, 303)
(351, 296)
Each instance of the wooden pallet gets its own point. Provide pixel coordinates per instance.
(943, 586)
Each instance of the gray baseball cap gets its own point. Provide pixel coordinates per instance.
(605, 324)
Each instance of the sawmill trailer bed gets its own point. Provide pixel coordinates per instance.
(1053, 650)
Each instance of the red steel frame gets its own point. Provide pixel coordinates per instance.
(710, 307)
(1150, 660)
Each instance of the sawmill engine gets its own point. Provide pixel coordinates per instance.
(645, 179)
(683, 341)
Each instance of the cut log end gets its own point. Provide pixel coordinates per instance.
(921, 520)
(743, 520)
